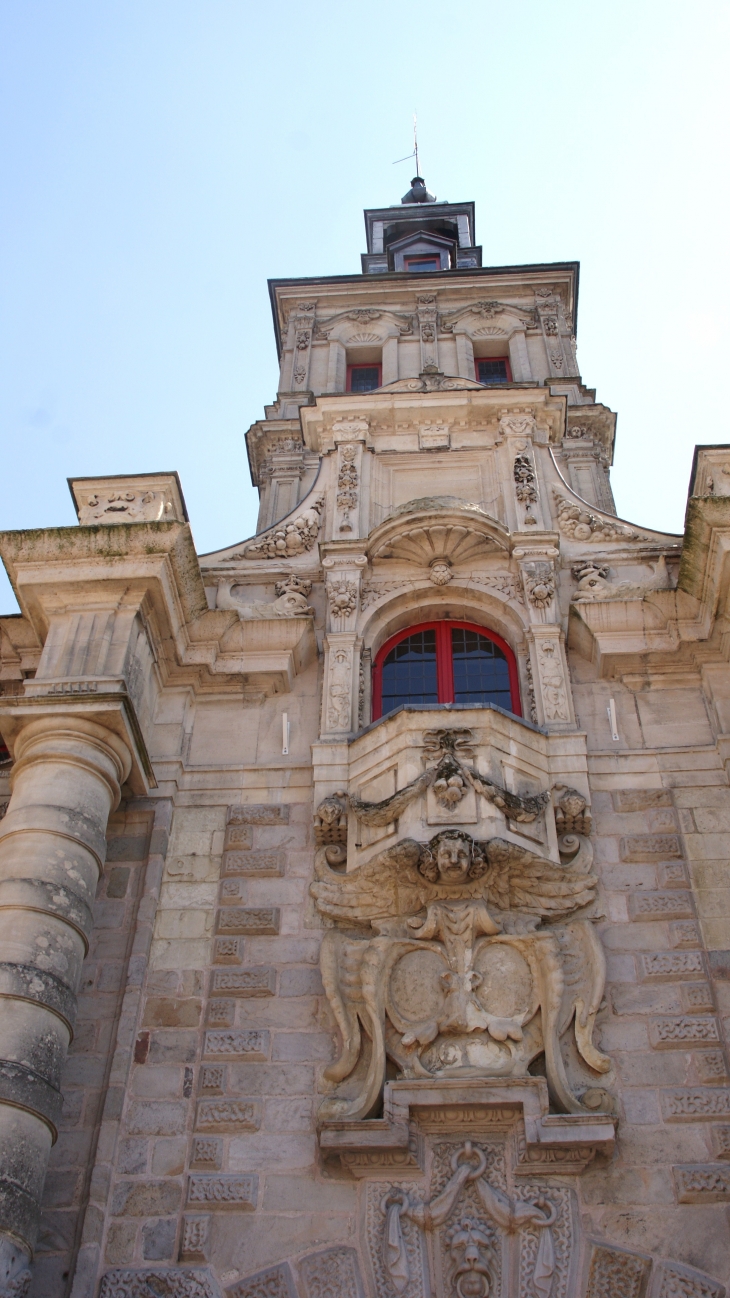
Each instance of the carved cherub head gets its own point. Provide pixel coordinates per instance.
(451, 857)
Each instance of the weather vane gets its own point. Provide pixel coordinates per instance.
(415, 147)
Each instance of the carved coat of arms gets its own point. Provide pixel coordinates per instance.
(459, 957)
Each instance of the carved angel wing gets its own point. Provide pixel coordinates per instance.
(387, 887)
(517, 879)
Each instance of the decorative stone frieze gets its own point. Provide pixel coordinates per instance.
(696, 1104)
(170, 1282)
(228, 1115)
(243, 982)
(234, 1193)
(616, 1273)
(274, 1282)
(246, 1044)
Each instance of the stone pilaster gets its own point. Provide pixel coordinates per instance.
(518, 430)
(67, 778)
(428, 328)
(302, 329)
(340, 697)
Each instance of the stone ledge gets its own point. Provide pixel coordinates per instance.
(503, 1102)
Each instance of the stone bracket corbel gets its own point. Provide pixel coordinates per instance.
(553, 1141)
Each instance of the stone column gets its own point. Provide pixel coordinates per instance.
(67, 778)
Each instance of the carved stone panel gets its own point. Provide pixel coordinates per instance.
(333, 1273)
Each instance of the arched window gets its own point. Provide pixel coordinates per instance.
(445, 662)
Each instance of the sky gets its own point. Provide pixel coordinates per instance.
(160, 160)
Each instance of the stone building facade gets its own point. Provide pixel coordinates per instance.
(364, 889)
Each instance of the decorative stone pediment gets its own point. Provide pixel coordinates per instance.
(437, 528)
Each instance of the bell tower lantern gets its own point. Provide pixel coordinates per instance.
(420, 234)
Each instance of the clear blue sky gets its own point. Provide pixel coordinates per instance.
(161, 158)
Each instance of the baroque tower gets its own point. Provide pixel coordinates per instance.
(363, 885)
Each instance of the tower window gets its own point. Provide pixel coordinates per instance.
(363, 378)
(493, 369)
(429, 262)
(445, 662)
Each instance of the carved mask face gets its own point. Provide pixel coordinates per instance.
(453, 860)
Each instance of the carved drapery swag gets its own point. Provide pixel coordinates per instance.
(469, 1243)
(451, 774)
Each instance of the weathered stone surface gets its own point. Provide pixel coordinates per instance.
(660, 905)
(248, 920)
(703, 1183)
(236, 1193)
(629, 800)
(238, 836)
(240, 1045)
(671, 1033)
(696, 1104)
(175, 1282)
(617, 1273)
(228, 1115)
(195, 1238)
(274, 1282)
(244, 982)
(146, 1198)
(668, 965)
(331, 1271)
(650, 847)
(263, 863)
(680, 1282)
(228, 950)
(258, 813)
(206, 1153)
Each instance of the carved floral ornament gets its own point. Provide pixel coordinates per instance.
(290, 537)
(457, 956)
(342, 596)
(577, 521)
(539, 580)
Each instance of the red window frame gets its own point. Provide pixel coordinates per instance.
(508, 367)
(444, 662)
(364, 365)
(409, 262)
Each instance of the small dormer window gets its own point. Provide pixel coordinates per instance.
(363, 378)
(428, 262)
(493, 369)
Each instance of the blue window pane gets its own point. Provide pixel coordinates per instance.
(423, 263)
(364, 378)
(493, 371)
(409, 672)
(481, 674)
